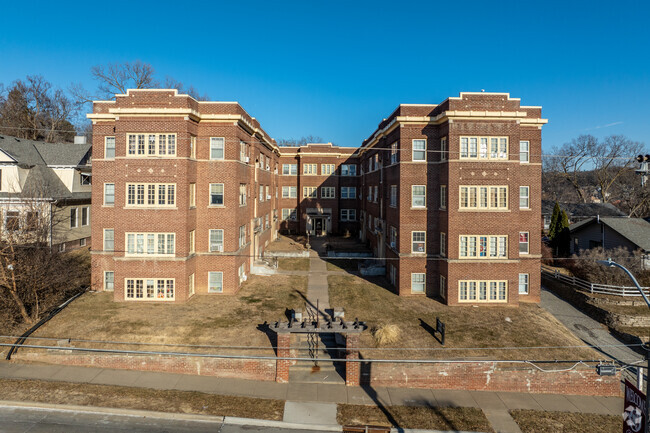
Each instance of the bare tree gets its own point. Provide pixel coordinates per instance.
(611, 158)
(171, 83)
(572, 158)
(292, 142)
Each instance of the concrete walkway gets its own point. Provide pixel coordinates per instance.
(317, 287)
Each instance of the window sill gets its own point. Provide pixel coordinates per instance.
(150, 207)
(216, 206)
(484, 210)
(418, 208)
(525, 209)
(108, 205)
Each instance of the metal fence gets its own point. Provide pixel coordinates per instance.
(593, 287)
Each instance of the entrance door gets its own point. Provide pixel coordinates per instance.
(318, 226)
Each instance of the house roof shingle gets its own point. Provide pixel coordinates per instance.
(636, 230)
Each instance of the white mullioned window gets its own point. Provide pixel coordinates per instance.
(289, 191)
(74, 217)
(109, 194)
(524, 283)
(242, 273)
(310, 192)
(348, 169)
(109, 280)
(289, 214)
(192, 241)
(150, 194)
(327, 192)
(443, 196)
(217, 146)
(149, 289)
(192, 194)
(418, 242)
(216, 240)
(418, 282)
(242, 194)
(215, 282)
(488, 148)
(482, 291)
(523, 243)
(261, 194)
(393, 237)
(393, 153)
(109, 147)
(310, 169)
(242, 236)
(85, 216)
(147, 144)
(327, 169)
(483, 197)
(348, 214)
(150, 244)
(393, 196)
(443, 287)
(419, 150)
(443, 244)
(348, 192)
(216, 194)
(289, 169)
(109, 240)
(369, 193)
(524, 197)
(243, 151)
(524, 151)
(443, 149)
(483, 247)
(418, 196)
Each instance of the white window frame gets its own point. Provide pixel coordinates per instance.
(289, 214)
(289, 169)
(192, 241)
(217, 144)
(443, 287)
(74, 223)
(414, 197)
(215, 246)
(423, 150)
(169, 197)
(192, 194)
(218, 287)
(158, 284)
(137, 148)
(211, 193)
(423, 241)
(419, 275)
(85, 221)
(468, 192)
(327, 169)
(106, 288)
(327, 192)
(443, 197)
(527, 243)
(310, 192)
(106, 239)
(242, 236)
(106, 202)
(469, 247)
(524, 197)
(348, 214)
(289, 192)
(151, 245)
(443, 149)
(496, 291)
(524, 287)
(310, 169)
(348, 192)
(85, 179)
(443, 244)
(348, 169)
(472, 147)
(107, 147)
(524, 155)
(393, 153)
(393, 237)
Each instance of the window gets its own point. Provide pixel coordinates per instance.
(242, 273)
(289, 169)
(216, 194)
(376, 197)
(393, 196)
(12, 221)
(327, 192)
(523, 242)
(150, 289)
(483, 247)
(443, 196)
(156, 145)
(482, 291)
(261, 194)
(73, 218)
(215, 282)
(393, 153)
(418, 196)
(150, 194)
(443, 287)
(348, 170)
(418, 242)
(393, 237)
(348, 214)
(242, 236)
(484, 147)
(348, 192)
(85, 216)
(417, 282)
(109, 147)
(524, 151)
(157, 244)
(523, 284)
(327, 169)
(192, 195)
(109, 280)
(419, 150)
(375, 160)
(217, 147)
(369, 193)
(242, 194)
(310, 192)
(289, 214)
(289, 192)
(310, 169)
(85, 179)
(443, 244)
(192, 241)
(109, 240)
(190, 284)
(443, 149)
(216, 240)
(109, 194)
(484, 197)
(243, 152)
(192, 146)
(524, 199)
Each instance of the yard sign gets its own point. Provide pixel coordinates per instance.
(634, 417)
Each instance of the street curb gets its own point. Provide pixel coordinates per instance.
(289, 425)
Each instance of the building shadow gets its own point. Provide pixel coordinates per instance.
(271, 335)
(365, 371)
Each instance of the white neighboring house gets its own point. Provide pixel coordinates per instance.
(49, 183)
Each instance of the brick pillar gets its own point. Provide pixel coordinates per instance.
(283, 350)
(352, 369)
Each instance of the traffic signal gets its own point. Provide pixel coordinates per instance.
(643, 158)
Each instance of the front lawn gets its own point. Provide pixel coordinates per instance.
(531, 421)
(293, 264)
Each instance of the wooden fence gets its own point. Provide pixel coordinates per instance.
(593, 287)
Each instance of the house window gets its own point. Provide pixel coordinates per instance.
(85, 216)
(216, 194)
(289, 214)
(393, 153)
(216, 240)
(192, 146)
(190, 284)
(327, 169)
(310, 192)
(289, 192)
(242, 194)
(483, 247)
(524, 151)
(348, 192)
(215, 282)
(375, 160)
(156, 145)
(242, 236)
(217, 147)
(109, 147)
(85, 179)
(348, 214)
(192, 241)
(443, 196)
(109, 240)
(376, 197)
(159, 244)
(443, 244)
(524, 199)
(327, 192)
(523, 284)
(109, 281)
(482, 291)
(418, 196)
(393, 196)
(417, 282)
(443, 287)
(523, 243)
(73, 218)
(289, 169)
(150, 194)
(261, 194)
(310, 169)
(243, 152)
(393, 237)
(484, 147)
(484, 197)
(418, 242)
(369, 193)
(419, 150)
(150, 289)
(348, 170)
(192, 195)
(109, 194)
(443, 149)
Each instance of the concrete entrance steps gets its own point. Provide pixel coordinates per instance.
(327, 371)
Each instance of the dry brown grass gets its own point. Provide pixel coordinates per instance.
(432, 418)
(531, 421)
(285, 243)
(386, 334)
(466, 327)
(203, 320)
(297, 264)
(140, 399)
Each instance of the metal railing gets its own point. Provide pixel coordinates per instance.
(590, 287)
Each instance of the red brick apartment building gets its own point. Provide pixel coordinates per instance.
(187, 194)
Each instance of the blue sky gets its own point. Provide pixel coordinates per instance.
(335, 69)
